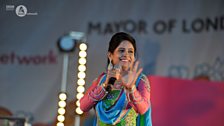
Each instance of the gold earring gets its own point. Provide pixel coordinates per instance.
(110, 65)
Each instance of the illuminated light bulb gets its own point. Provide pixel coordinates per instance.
(82, 68)
(82, 61)
(83, 46)
(62, 104)
(78, 103)
(81, 82)
(61, 118)
(62, 96)
(82, 54)
(60, 124)
(61, 111)
(81, 75)
(79, 111)
(80, 89)
(79, 95)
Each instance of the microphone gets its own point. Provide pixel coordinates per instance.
(112, 79)
(110, 82)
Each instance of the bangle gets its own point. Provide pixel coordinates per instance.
(132, 89)
(104, 85)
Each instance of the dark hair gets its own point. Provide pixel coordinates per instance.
(117, 38)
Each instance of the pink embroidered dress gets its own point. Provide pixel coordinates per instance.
(119, 107)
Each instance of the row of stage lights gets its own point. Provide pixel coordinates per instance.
(67, 44)
(61, 109)
(81, 76)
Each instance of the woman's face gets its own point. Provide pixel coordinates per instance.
(124, 55)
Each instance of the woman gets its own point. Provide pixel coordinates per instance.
(121, 96)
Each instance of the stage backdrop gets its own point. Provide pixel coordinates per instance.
(177, 102)
(181, 39)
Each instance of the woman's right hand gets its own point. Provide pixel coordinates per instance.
(114, 72)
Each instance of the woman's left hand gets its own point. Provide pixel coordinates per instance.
(129, 78)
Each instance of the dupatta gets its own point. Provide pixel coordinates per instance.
(111, 115)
